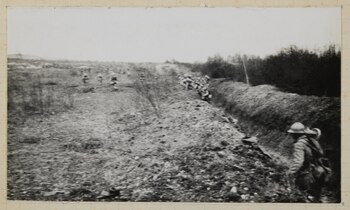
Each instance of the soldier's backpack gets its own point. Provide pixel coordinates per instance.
(320, 164)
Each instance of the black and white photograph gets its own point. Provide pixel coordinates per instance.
(186, 104)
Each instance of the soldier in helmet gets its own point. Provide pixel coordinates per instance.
(100, 78)
(114, 81)
(85, 78)
(188, 81)
(205, 94)
(206, 79)
(305, 171)
(182, 81)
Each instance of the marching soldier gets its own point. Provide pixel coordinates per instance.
(114, 81)
(100, 78)
(205, 94)
(188, 82)
(206, 79)
(306, 171)
(85, 78)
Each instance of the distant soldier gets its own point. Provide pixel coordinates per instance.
(206, 79)
(181, 81)
(197, 85)
(205, 94)
(142, 77)
(100, 78)
(114, 81)
(85, 78)
(307, 171)
(188, 82)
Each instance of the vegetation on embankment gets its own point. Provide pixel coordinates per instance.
(267, 112)
(292, 70)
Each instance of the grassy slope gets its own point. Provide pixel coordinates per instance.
(268, 113)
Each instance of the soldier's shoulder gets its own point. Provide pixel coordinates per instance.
(301, 142)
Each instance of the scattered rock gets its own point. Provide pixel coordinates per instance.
(225, 119)
(103, 194)
(155, 177)
(244, 197)
(221, 154)
(250, 140)
(233, 189)
(112, 193)
(143, 195)
(79, 192)
(224, 143)
(232, 196)
(55, 192)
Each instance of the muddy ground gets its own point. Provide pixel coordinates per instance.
(111, 147)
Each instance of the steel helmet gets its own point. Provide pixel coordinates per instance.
(297, 128)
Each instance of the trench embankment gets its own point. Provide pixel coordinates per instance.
(266, 112)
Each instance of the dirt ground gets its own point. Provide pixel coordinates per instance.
(109, 147)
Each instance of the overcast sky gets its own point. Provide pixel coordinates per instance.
(185, 34)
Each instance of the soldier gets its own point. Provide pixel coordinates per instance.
(206, 78)
(188, 81)
(100, 78)
(142, 78)
(114, 81)
(306, 172)
(85, 78)
(197, 84)
(182, 81)
(205, 94)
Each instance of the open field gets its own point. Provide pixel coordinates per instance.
(75, 142)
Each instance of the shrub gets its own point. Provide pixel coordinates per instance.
(32, 96)
(292, 69)
(153, 89)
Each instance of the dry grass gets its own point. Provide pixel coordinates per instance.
(153, 89)
(35, 93)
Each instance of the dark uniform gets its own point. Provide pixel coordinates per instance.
(307, 171)
(303, 166)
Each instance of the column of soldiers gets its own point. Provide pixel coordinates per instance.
(200, 84)
(113, 79)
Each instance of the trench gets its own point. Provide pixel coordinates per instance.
(265, 112)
